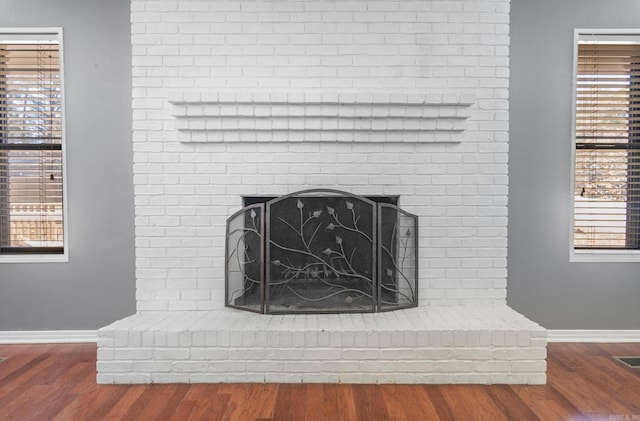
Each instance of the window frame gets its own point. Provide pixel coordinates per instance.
(51, 33)
(591, 255)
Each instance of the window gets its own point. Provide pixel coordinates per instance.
(607, 144)
(32, 217)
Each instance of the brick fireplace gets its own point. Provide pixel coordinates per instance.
(265, 98)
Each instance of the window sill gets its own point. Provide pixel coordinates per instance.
(605, 256)
(34, 258)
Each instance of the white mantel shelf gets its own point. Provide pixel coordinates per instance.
(320, 117)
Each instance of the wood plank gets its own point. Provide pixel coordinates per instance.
(321, 402)
(440, 404)
(17, 358)
(183, 410)
(54, 387)
(581, 391)
(345, 404)
(158, 402)
(25, 377)
(547, 403)
(290, 403)
(209, 403)
(469, 402)
(89, 406)
(88, 371)
(48, 403)
(369, 402)
(265, 395)
(604, 375)
(416, 402)
(250, 401)
(626, 379)
(510, 404)
(60, 394)
(393, 402)
(177, 395)
(18, 407)
(124, 404)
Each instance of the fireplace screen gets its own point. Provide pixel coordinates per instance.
(321, 251)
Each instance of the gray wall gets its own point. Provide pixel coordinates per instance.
(542, 284)
(97, 286)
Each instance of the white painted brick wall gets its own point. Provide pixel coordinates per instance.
(184, 191)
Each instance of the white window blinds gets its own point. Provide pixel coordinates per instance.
(607, 130)
(31, 196)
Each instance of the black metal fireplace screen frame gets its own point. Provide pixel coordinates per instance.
(321, 251)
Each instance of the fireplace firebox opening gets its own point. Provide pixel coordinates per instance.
(321, 251)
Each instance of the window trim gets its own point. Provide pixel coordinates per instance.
(591, 255)
(57, 34)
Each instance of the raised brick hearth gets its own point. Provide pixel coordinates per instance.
(436, 345)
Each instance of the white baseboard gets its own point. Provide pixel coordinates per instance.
(47, 336)
(579, 335)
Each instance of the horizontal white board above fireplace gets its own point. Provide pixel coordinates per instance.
(320, 117)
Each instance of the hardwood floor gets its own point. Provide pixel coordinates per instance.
(57, 382)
